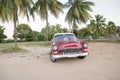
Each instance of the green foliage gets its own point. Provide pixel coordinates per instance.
(12, 49)
(9, 7)
(53, 29)
(8, 47)
(9, 10)
(118, 29)
(9, 41)
(65, 30)
(97, 28)
(35, 35)
(78, 11)
(40, 37)
(97, 25)
(2, 35)
(24, 32)
(43, 6)
(83, 32)
(111, 28)
(75, 31)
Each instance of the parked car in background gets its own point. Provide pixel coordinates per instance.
(65, 45)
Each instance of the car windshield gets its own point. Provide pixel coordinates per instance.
(65, 37)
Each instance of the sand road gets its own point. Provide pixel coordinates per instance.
(103, 63)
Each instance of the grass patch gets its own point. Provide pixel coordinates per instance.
(106, 41)
(5, 46)
(12, 49)
(9, 47)
(41, 44)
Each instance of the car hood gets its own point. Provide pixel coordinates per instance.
(68, 44)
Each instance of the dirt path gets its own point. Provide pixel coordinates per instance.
(103, 63)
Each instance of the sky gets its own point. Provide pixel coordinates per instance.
(110, 9)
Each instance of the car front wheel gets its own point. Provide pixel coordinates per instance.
(52, 58)
(81, 57)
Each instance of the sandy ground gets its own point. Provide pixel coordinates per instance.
(103, 63)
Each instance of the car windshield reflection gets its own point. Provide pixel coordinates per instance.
(65, 37)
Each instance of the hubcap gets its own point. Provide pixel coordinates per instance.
(52, 58)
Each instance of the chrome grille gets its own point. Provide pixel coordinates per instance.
(74, 50)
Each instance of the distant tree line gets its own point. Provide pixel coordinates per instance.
(25, 33)
(97, 27)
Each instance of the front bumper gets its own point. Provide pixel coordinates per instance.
(70, 55)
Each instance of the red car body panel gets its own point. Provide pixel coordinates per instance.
(65, 45)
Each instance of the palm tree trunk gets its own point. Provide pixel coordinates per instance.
(97, 30)
(73, 25)
(15, 31)
(46, 27)
(69, 28)
(72, 29)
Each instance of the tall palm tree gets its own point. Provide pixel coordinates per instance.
(99, 24)
(78, 11)
(44, 6)
(118, 29)
(111, 28)
(91, 27)
(9, 10)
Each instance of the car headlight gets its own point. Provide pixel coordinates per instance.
(54, 47)
(85, 45)
(53, 43)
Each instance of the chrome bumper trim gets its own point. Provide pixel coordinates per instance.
(70, 55)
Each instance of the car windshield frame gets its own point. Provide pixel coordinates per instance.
(64, 37)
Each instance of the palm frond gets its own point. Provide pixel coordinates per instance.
(78, 11)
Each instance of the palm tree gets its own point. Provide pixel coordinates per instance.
(91, 27)
(118, 29)
(9, 10)
(111, 28)
(43, 6)
(99, 23)
(78, 11)
(118, 32)
(3, 11)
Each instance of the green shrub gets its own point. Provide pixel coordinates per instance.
(41, 37)
(8, 41)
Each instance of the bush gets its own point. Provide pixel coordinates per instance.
(8, 41)
(41, 37)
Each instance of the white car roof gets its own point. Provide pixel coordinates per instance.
(61, 33)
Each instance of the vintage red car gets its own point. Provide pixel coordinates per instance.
(65, 45)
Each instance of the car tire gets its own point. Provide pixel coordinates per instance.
(52, 58)
(81, 57)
